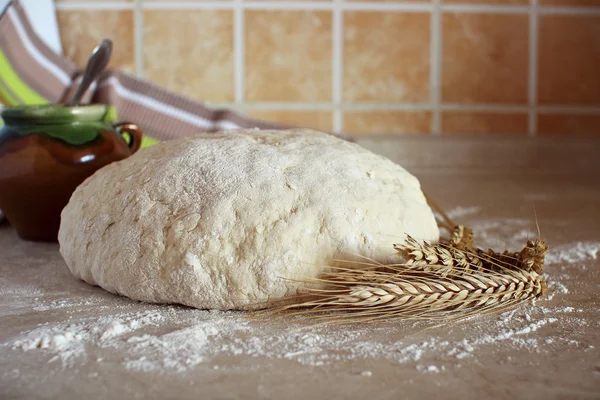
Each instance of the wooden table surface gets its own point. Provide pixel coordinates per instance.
(546, 350)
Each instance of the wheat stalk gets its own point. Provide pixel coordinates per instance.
(399, 291)
(442, 280)
(437, 281)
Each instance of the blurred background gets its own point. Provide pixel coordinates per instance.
(524, 67)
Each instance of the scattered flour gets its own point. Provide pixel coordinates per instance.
(508, 233)
(458, 212)
(59, 304)
(177, 339)
(500, 332)
(20, 291)
(463, 211)
(525, 234)
(180, 349)
(433, 368)
(67, 342)
(573, 253)
(193, 337)
(555, 287)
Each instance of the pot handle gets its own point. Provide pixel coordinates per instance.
(133, 131)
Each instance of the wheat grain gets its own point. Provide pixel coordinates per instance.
(461, 237)
(440, 258)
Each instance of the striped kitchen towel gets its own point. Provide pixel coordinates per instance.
(32, 73)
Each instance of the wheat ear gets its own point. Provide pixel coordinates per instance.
(437, 281)
(400, 291)
(386, 295)
(456, 256)
(443, 280)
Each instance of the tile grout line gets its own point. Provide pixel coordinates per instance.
(569, 10)
(435, 62)
(380, 6)
(492, 108)
(355, 6)
(67, 6)
(138, 38)
(487, 8)
(337, 66)
(533, 62)
(239, 52)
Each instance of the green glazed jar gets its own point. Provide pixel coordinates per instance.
(46, 152)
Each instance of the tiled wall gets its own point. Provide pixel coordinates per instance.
(364, 67)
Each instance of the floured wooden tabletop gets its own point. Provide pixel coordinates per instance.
(61, 338)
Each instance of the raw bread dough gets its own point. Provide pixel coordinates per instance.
(230, 220)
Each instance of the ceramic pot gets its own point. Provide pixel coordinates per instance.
(46, 152)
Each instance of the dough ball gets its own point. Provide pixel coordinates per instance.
(233, 219)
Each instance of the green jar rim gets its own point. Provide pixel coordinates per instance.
(53, 114)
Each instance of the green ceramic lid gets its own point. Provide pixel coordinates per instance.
(54, 114)
(74, 125)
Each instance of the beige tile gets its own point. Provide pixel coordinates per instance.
(459, 122)
(569, 60)
(495, 2)
(288, 55)
(81, 31)
(320, 120)
(386, 56)
(485, 58)
(387, 1)
(568, 124)
(190, 52)
(386, 122)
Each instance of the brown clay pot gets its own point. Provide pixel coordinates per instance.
(46, 152)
